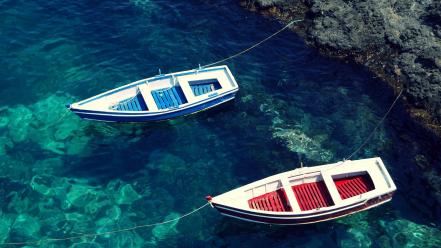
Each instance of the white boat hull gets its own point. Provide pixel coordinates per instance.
(310, 194)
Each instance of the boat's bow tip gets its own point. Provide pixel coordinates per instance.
(209, 198)
(67, 105)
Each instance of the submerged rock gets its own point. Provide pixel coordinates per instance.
(80, 195)
(20, 118)
(126, 195)
(404, 233)
(45, 123)
(161, 232)
(298, 142)
(5, 227)
(42, 184)
(4, 144)
(25, 225)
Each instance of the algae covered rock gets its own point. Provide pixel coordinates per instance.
(5, 226)
(161, 232)
(80, 195)
(42, 184)
(19, 120)
(5, 143)
(3, 121)
(404, 233)
(26, 225)
(126, 195)
(298, 142)
(46, 123)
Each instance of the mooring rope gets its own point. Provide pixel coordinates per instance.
(369, 136)
(376, 127)
(84, 235)
(253, 46)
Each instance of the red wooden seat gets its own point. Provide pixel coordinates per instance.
(352, 186)
(275, 201)
(312, 195)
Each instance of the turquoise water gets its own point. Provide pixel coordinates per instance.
(63, 176)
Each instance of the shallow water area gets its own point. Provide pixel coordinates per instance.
(62, 176)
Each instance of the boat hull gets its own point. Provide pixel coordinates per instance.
(300, 219)
(158, 116)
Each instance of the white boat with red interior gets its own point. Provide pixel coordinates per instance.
(310, 194)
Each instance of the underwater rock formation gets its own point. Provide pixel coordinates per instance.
(404, 233)
(300, 143)
(400, 41)
(162, 231)
(44, 123)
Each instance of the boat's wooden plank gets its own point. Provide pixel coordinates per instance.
(157, 102)
(148, 97)
(320, 197)
(129, 105)
(359, 185)
(197, 90)
(300, 198)
(327, 196)
(173, 98)
(160, 100)
(315, 195)
(138, 106)
(268, 204)
(279, 201)
(168, 99)
(124, 104)
(290, 195)
(331, 187)
(309, 200)
(304, 198)
(134, 104)
(274, 202)
(176, 94)
(210, 88)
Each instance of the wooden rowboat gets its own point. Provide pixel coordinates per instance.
(161, 97)
(310, 194)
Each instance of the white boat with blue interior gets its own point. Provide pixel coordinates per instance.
(161, 97)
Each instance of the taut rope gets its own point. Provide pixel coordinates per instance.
(105, 233)
(253, 46)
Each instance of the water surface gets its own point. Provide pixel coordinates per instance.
(62, 176)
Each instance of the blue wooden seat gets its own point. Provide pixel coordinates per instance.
(169, 97)
(200, 89)
(136, 103)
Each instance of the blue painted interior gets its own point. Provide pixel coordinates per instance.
(204, 86)
(169, 97)
(136, 103)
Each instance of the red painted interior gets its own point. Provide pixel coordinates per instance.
(353, 186)
(312, 195)
(273, 201)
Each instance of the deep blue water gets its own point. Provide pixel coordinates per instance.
(62, 176)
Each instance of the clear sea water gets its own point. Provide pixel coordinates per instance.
(62, 176)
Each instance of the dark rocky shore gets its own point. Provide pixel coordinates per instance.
(398, 40)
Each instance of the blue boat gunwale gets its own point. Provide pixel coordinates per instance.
(154, 78)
